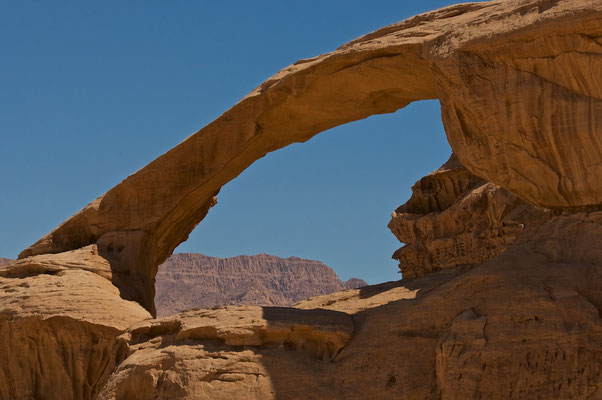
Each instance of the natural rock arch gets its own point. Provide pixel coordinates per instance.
(513, 110)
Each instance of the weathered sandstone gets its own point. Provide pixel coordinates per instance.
(455, 218)
(60, 321)
(524, 325)
(220, 353)
(189, 280)
(519, 89)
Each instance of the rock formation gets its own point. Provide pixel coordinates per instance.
(527, 324)
(455, 218)
(4, 260)
(494, 66)
(521, 97)
(189, 280)
(60, 320)
(183, 358)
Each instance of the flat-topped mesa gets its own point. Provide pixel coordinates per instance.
(454, 219)
(521, 99)
(188, 280)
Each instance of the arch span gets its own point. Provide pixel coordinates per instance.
(501, 83)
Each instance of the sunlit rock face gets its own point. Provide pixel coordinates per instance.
(520, 92)
(525, 111)
(61, 319)
(519, 87)
(455, 218)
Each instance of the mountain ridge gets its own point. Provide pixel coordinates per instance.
(193, 280)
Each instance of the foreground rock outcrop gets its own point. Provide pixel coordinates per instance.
(189, 280)
(525, 325)
(221, 353)
(508, 309)
(61, 319)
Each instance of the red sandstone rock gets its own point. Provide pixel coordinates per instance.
(189, 280)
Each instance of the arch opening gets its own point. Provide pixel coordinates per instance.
(328, 199)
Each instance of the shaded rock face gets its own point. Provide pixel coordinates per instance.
(219, 353)
(48, 358)
(519, 87)
(189, 280)
(455, 218)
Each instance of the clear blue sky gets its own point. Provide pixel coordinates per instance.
(92, 91)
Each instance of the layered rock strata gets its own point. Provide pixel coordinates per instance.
(519, 87)
(455, 218)
(525, 325)
(61, 319)
(189, 280)
(520, 94)
(220, 353)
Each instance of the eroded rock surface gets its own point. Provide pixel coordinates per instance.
(189, 280)
(455, 218)
(519, 87)
(526, 324)
(219, 353)
(60, 321)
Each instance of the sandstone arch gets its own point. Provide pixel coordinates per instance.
(542, 144)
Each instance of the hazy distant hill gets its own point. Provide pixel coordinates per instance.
(190, 280)
(4, 260)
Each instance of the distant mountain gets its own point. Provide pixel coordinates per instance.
(354, 283)
(5, 260)
(190, 280)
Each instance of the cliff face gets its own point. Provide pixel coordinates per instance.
(190, 280)
(506, 298)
